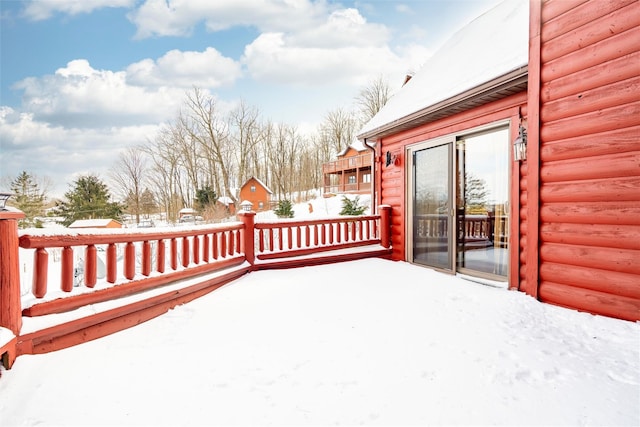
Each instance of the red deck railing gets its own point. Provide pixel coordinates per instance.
(347, 163)
(131, 263)
(167, 256)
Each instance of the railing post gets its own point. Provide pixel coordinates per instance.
(385, 225)
(129, 260)
(248, 219)
(90, 266)
(10, 305)
(112, 263)
(40, 269)
(66, 272)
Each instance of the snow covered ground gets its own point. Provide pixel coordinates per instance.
(370, 342)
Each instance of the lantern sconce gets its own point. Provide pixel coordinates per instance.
(3, 200)
(520, 145)
(392, 159)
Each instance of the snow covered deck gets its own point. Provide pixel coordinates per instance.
(371, 342)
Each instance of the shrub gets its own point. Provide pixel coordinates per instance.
(284, 209)
(352, 207)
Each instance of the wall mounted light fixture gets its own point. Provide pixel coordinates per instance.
(520, 145)
(392, 159)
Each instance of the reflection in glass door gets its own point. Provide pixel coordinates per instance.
(432, 207)
(482, 199)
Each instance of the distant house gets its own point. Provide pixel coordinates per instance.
(227, 203)
(350, 172)
(256, 192)
(96, 223)
(556, 216)
(186, 211)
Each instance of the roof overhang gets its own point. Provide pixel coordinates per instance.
(496, 89)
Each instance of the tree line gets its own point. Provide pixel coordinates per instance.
(206, 153)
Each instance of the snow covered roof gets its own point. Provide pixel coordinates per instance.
(89, 223)
(225, 200)
(259, 182)
(492, 46)
(356, 145)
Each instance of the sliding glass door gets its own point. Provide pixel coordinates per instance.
(432, 206)
(459, 203)
(482, 202)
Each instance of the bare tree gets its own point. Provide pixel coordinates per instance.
(338, 128)
(190, 158)
(206, 126)
(247, 136)
(283, 152)
(129, 173)
(164, 174)
(372, 98)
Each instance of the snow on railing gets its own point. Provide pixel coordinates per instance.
(143, 259)
(117, 257)
(283, 238)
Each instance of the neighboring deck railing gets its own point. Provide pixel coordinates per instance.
(347, 163)
(135, 262)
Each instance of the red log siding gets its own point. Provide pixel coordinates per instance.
(392, 188)
(589, 226)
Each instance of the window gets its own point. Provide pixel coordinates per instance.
(253, 188)
(352, 179)
(366, 178)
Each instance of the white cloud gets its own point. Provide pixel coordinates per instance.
(35, 146)
(38, 10)
(81, 96)
(345, 27)
(178, 17)
(345, 48)
(185, 69)
(269, 58)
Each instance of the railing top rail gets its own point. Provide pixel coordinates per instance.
(262, 224)
(103, 237)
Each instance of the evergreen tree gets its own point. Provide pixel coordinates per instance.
(205, 197)
(284, 209)
(88, 199)
(28, 198)
(352, 207)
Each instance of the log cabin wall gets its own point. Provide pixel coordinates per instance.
(588, 225)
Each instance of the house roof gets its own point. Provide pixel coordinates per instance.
(259, 182)
(88, 223)
(225, 200)
(356, 145)
(484, 61)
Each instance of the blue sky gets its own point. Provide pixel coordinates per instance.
(82, 80)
